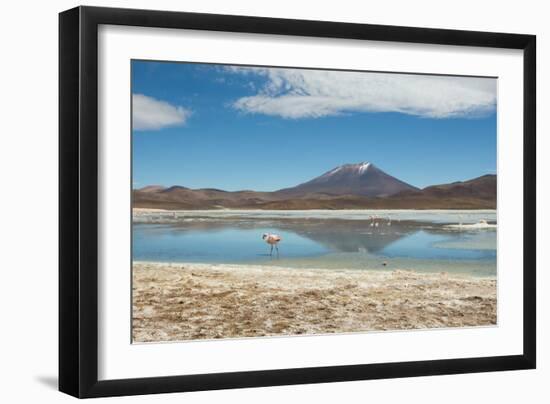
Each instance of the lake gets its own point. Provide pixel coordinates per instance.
(423, 241)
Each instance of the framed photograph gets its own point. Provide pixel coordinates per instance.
(251, 201)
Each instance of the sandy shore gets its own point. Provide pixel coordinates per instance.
(174, 302)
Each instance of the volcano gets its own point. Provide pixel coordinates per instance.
(363, 179)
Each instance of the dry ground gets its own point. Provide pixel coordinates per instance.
(174, 302)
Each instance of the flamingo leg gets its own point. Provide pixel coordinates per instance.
(271, 252)
(277, 248)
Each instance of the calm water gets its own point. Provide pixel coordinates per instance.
(426, 244)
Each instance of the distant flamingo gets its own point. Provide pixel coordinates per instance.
(373, 222)
(272, 240)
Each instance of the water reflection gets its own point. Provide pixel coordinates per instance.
(318, 243)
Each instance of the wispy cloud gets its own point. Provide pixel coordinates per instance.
(299, 93)
(149, 113)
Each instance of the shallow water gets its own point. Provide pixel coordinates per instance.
(425, 244)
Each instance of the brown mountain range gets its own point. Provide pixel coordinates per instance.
(351, 186)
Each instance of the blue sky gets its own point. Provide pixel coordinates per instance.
(214, 126)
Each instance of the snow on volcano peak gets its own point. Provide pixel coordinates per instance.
(363, 167)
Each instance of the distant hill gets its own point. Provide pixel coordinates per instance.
(481, 191)
(484, 187)
(351, 186)
(152, 188)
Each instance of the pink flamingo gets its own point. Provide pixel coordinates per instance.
(272, 240)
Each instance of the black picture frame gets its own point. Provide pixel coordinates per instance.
(78, 201)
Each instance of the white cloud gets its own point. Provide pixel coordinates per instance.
(299, 93)
(152, 114)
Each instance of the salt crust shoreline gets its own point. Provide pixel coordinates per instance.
(176, 302)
